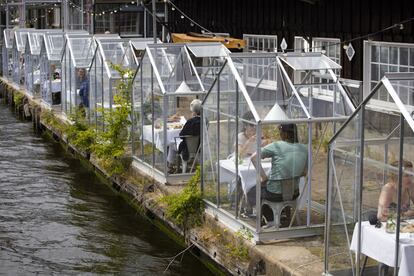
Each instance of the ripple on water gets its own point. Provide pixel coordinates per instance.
(57, 219)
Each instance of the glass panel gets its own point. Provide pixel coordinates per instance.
(210, 154)
(343, 190)
(375, 72)
(175, 69)
(384, 54)
(375, 53)
(405, 90)
(403, 56)
(394, 55)
(411, 56)
(208, 50)
(310, 62)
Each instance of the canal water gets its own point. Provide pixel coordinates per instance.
(56, 218)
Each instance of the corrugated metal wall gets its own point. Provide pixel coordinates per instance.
(288, 18)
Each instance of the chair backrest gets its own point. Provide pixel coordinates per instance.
(288, 187)
(193, 143)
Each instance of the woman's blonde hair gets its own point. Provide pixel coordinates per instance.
(393, 175)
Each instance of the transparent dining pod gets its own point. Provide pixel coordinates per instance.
(263, 166)
(369, 218)
(51, 68)
(19, 43)
(32, 62)
(165, 84)
(104, 76)
(7, 58)
(76, 59)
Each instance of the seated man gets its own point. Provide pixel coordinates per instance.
(388, 197)
(289, 160)
(191, 128)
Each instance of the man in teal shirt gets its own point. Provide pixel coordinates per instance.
(289, 161)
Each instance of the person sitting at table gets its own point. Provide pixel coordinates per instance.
(191, 128)
(246, 139)
(289, 160)
(388, 196)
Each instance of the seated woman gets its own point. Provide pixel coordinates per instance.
(289, 160)
(191, 128)
(388, 197)
(246, 139)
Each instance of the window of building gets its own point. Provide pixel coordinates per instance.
(331, 46)
(384, 57)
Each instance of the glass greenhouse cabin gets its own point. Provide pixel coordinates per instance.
(19, 43)
(76, 60)
(7, 50)
(104, 78)
(164, 85)
(370, 182)
(50, 67)
(251, 98)
(32, 62)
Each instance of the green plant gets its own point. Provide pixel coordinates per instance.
(111, 141)
(50, 120)
(80, 134)
(18, 98)
(186, 208)
(244, 233)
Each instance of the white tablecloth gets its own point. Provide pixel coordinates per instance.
(247, 172)
(158, 136)
(380, 246)
(56, 86)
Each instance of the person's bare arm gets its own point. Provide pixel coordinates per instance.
(384, 202)
(243, 148)
(410, 212)
(263, 175)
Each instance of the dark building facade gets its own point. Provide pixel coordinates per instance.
(342, 19)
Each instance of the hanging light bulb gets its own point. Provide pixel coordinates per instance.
(172, 8)
(115, 11)
(182, 16)
(132, 2)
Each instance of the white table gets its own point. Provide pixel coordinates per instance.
(247, 174)
(56, 86)
(380, 246)
(159, 137)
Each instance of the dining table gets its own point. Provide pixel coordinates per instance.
(379, 245)
(172, 135)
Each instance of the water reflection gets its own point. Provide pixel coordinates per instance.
(56, 218)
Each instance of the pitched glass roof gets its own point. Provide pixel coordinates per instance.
(266, 90)
(309, 61)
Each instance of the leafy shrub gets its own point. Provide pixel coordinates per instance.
(186, 208)
(111, 141)
(80, 134)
